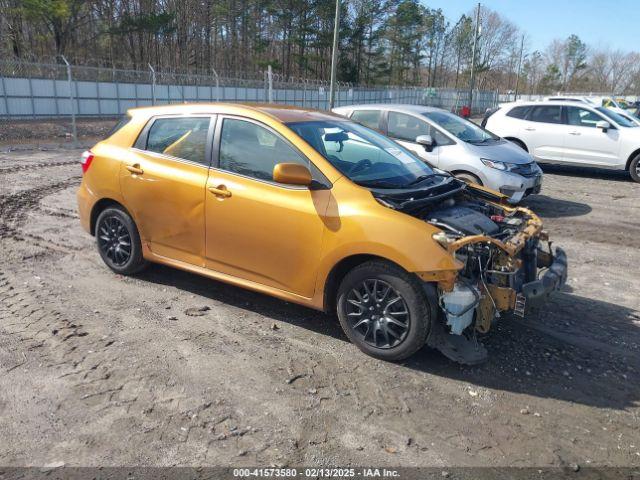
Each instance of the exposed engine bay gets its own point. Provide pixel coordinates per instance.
(507, 263)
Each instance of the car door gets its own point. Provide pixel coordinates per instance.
(585, 143)
(544, 133)
(404, 129)
(256, 229)
(163, 184)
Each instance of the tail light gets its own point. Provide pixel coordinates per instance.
(87, 158)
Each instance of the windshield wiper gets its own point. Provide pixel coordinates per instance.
(419, 179)
(378, 184)
(478, 142)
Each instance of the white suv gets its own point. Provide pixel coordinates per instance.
(570, 133)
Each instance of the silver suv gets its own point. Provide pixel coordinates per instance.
(451, 143)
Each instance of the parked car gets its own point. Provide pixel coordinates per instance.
(626, 113)
(561, 98)
(560, 132)
(618, 106)
(451, 143)
(315, 209)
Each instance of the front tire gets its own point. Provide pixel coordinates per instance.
(384, 310)
(118, 241)
(467, 177)
(634, 168)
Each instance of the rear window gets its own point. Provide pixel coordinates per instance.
(518, 112)
(368, 118)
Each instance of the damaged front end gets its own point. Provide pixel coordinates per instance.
(508, 263)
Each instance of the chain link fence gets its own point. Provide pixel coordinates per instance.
(31, 90)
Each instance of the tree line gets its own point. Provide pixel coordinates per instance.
(401, 42)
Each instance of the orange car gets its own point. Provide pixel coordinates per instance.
(318, 210)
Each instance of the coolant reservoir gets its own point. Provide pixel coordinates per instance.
(461, 298)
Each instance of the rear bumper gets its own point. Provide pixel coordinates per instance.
(553, 279)
(85, 204)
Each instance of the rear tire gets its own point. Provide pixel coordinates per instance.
(634, 168)
(384, 310)
(467, 177)
(119, 242)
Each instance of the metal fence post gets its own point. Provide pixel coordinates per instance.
(153, 84)
(98, 97)
(72, 104)
(117, 82)
(55, 94)
(33, 103)
(304, 92)
(217, 84)
(270, 79)
(6, 96)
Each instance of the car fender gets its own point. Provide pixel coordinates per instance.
(386, 233)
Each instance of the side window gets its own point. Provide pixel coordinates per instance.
(440, 138)
(406, 127)
(581, 117)
(546, 114)
(180, 137)
(368, 118)
(254, 151)
(518, 112)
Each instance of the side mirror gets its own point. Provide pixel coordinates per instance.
(603, 125)
(426, 141)
(292, 174)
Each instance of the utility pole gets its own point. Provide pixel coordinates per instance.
(515, 95)
(473, 58)
(334, 57)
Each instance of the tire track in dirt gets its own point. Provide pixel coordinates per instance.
(31, 166)
(13, 207)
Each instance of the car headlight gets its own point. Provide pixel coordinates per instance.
(504, 166)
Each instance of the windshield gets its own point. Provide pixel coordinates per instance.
(619, 119)
(459, 127)
(363, 155)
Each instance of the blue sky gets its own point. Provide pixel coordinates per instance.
(599, 23)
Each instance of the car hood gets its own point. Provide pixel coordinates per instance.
(501, 151)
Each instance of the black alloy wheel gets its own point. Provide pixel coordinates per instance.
(118, 241)
(377, 313)
(384, 310)
(114, 240)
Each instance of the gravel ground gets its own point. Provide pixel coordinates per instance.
(167, 368)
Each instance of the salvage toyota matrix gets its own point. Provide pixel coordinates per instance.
(321, 211)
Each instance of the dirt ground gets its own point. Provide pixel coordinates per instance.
(97, 369)
(16, 134)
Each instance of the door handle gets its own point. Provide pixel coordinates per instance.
(220, 191)
(574, 133)
(135, 169)
(530, 129)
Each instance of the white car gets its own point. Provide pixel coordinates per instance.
(561, 98)
(451, 143)
(570, 133)
(626, 114)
